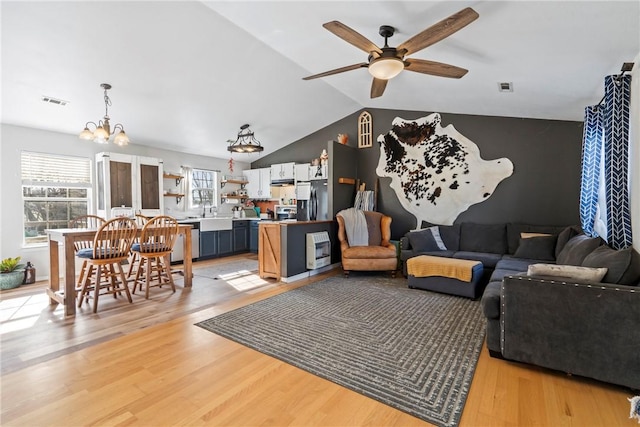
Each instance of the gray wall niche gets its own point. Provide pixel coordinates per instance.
(544, 188)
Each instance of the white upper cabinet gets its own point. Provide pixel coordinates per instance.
(283, 171)
(302, 172)
(259, 183)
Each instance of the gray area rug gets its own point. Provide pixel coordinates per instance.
(413, 350)
(219, 271)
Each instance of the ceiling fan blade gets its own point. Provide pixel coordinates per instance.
(377, 87)
(337, 70)
(434, 68)
(439, 31)
(351, 36)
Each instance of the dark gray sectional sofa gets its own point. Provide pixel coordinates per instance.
(583, 327)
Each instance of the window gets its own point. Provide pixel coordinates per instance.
(55, 189)
(204, 188)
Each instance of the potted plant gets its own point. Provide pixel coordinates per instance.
(11, 273)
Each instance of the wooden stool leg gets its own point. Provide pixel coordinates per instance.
(125, 286)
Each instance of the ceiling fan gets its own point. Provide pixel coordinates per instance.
(387, 62)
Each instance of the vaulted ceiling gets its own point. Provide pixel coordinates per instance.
(186, 75)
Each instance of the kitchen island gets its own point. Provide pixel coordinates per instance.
(282, 248)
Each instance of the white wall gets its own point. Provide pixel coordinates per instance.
(15, 139)
(634, 152)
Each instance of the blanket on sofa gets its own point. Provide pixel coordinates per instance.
(427, 266)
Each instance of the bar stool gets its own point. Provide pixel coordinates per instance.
(158, 236)
(111, 246)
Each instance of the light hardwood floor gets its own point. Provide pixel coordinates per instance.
(147, 364)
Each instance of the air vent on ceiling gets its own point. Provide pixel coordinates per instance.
(52, 100)
(505, 87)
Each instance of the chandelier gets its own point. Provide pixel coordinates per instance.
(103, 130)
(245, 142)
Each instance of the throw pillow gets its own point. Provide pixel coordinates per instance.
(567, 271)
(529, 235)
(450, 234)
(565, 235)
(435, 232)
(622, 269)
(577, 249)
(423, 241)
(540, 247)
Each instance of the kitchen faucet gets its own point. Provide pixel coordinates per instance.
(204, 208)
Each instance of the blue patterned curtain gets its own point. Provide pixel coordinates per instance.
(591, 168)
(616, 160)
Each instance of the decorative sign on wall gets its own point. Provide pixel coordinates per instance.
(436, 172)
(365, 130)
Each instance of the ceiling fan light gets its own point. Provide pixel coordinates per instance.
(386, 68)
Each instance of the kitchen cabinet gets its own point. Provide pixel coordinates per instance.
(240, 236)
(318, 172)
(258, 183)
(208, 244)
(302, 172)
(253, 236)
(135, 182)
(225, 242)
(283, 171)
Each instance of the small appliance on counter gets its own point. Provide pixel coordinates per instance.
(285, 212)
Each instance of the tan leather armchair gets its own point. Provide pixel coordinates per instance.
(379, 255)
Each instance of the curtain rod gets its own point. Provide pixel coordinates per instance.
(626, 67)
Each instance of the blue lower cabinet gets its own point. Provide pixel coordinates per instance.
(240, 236)
(225, 242)
(208, 244)
(253, 236)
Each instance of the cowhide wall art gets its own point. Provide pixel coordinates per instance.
(436, 172)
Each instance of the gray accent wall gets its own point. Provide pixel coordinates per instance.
(544, 188)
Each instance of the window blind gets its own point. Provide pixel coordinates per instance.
(50, 169)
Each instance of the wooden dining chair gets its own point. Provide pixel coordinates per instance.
(134, 259)
(158, 236)
(84, 221)
(111, 246)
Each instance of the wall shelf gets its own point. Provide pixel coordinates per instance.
(233, 181)
(178, 178)
(176, 195)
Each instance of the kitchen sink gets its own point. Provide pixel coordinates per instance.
(215, 224)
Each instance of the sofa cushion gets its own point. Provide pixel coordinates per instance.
(410, 253)
(373, 227)
(565, 235)
(577, 249)
(369, 252)
(491, 300)
(567, 271)
(515, 231)
(489, 238)
(489, 260)
(426, 240)
(623, 265)
(450, 234)
(516, 264)
(540, 247)
(499, 273)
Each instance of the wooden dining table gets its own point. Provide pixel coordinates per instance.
(68, 236)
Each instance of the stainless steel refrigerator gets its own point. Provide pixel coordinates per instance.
(312, 201)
